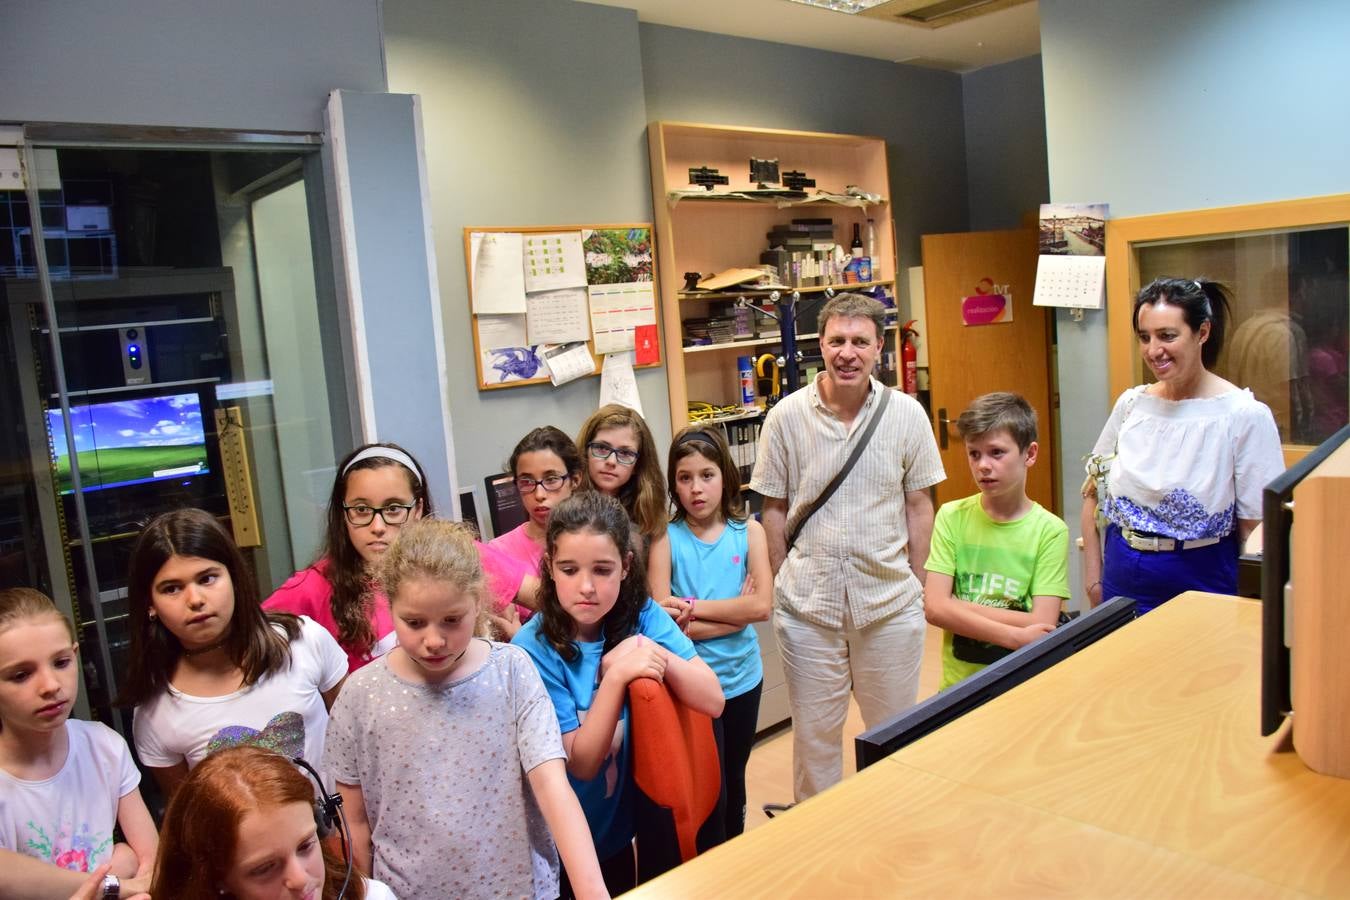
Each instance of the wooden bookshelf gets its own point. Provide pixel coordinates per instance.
(711, 232)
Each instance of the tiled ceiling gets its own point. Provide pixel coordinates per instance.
(998, 37)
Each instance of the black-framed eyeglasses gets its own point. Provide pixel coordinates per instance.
(601, 450)
(392, 513)
(526, 485)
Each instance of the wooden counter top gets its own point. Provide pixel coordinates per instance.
(1134, 768)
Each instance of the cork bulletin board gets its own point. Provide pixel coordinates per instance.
(545, 299)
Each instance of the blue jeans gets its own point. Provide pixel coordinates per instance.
(1154, 577)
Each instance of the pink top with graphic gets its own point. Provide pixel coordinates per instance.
(309, 593)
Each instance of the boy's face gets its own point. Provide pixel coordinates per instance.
(998, 467)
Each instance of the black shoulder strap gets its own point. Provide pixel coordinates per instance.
(830, 488)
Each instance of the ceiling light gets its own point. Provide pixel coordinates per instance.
(852, 7)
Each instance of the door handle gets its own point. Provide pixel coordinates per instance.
(943, 424)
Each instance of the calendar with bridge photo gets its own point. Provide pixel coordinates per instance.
(1071, 270)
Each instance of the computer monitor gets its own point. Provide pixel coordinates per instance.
(1277, 524)
(995, 679)
(505, 507)
(131, 441)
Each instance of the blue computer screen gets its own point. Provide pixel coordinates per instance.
(126, 442)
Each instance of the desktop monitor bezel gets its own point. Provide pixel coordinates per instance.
(1277, 522)
(997, 678)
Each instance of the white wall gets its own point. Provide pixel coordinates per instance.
(1154, 106)
(533, 115)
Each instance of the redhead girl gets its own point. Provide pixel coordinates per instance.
(379, 488)
(242, 826)
(446, 751)
(209, 668)
(622, 462)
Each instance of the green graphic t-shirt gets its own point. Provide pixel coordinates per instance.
(1000, 564)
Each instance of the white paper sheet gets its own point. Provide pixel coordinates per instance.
(618, 383)
(1071, 281)
(558, 317)
(495, 332)
(568, 362)
(498, 272)
(554, 261)
(616, 309)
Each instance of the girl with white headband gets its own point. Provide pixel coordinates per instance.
(378, 489)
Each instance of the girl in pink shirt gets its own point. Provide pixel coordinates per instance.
(547, 468)
(379, 488)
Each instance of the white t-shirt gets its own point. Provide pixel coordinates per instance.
(68, 819)
(378, 890)
(282, 712)
(1187, 468)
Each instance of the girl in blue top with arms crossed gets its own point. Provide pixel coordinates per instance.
(714, 560)
(596, 631)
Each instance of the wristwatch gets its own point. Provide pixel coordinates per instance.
(112, 887)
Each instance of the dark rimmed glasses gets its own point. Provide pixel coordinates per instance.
(392, 513)
(526, 485)
(601, 450)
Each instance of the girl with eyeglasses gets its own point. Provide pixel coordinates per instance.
(622, 462)
(547, 468)
(378, 489)
(209, 668)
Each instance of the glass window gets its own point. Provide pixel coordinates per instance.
(190, 367)
(1287, 340)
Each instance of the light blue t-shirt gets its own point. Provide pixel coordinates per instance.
(716, 571)
(608, 798)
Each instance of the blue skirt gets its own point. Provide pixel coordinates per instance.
(1154, 577)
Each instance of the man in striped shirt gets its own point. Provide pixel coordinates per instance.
(848, 595)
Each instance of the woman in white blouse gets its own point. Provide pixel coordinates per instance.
(1177, 473)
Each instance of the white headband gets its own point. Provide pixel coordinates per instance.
(378, 452)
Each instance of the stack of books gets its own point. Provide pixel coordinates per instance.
(802, 252)
(709, 330)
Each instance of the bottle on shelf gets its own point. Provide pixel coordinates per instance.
(856, 247)
(872, 243)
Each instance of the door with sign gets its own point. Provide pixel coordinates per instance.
(984, 335)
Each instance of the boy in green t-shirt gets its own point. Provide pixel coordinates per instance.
(998, 565)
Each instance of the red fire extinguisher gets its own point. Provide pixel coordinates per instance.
(909, 356)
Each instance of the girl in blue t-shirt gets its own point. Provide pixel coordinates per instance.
(596, 630)
(711, 573)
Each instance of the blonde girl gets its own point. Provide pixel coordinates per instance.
(446, 751)
(64, 783)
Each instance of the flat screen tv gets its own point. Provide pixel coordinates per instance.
(991, 681)
(1277, 525)
(131, 441)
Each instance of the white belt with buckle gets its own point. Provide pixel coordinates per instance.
(1156, 544)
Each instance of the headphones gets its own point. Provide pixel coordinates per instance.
(327, 817)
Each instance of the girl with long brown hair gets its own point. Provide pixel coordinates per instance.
(378, 489)
(209, 667)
